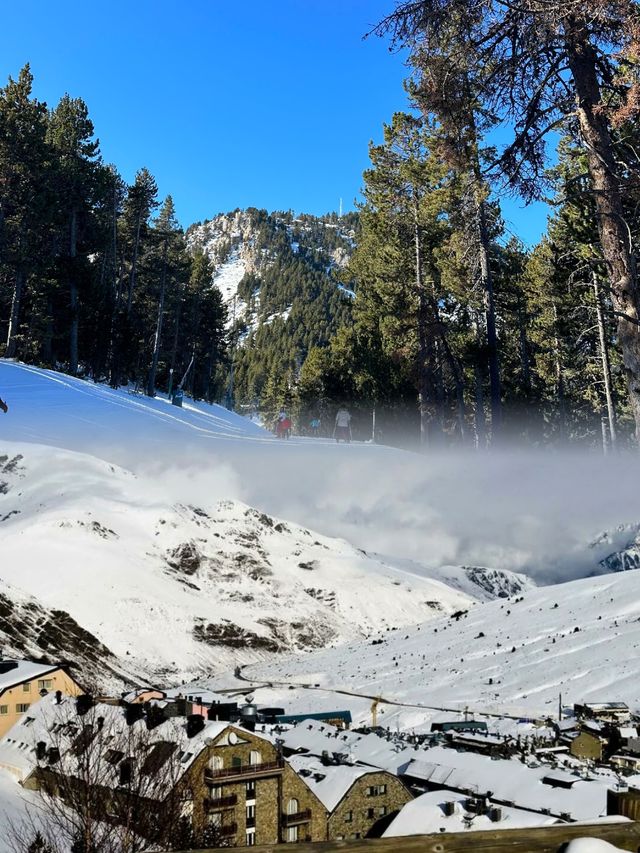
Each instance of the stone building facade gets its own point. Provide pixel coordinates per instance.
(368, 807)
(242, 785)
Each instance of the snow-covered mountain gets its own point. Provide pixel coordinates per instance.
(245, 244)
(174, 543)
(173, 591)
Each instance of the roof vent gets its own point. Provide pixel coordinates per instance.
(8, 665)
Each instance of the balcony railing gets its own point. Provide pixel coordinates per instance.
(229, 829)
(267, 767)
(221, 802)
(298, 817)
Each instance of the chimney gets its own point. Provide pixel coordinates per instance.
(195, 724)
(41, 750)
(84, 703)
(133, 713)
(58, 697)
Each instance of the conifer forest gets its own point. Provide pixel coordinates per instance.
(421, 311)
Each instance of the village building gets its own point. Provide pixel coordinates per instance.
(360, 801)
(624, 801)
(23, 682)
(590, 744)
(606, 712)
(225, 778)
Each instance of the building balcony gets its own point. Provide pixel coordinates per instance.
(228, 829)
(267, 768)
(298, 817)
(211, 803)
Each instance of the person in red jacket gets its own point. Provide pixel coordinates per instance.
(3, 406)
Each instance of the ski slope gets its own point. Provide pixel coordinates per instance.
(534, 513)
(580, 640)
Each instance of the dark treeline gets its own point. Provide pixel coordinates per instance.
(496, 341)
(95, 276)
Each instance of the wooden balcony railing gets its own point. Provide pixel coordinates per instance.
(298, 817)
(211, 803)
(228, 829)
(267, 767)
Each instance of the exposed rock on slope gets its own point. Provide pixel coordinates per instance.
(174, 591)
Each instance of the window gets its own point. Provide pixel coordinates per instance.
(216, 762)
(26, 688)
(214, 818)
(255, 757)
(376, 790)
(293, 806)
(45, 683)
(236, 761)
(4, 709)
(22, 708)
(292, 834)
(250, 839)
(371, 813)
(382, 811)
(250, 790)
(251, 812)
(348, 818)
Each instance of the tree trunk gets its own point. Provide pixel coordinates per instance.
(525, 362)
(606, 366)
(424, 379)
(559, 375)
(613, 230)
(134, 264)
(490, 320)
(480, 423)
(151, 384)
(73, 294)
(14, 317)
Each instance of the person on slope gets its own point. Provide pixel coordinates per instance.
(283, 425)
(342, 430)
(3, 406)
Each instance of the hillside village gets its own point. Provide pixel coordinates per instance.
(216, 770)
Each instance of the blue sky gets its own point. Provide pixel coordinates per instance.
(228, 104)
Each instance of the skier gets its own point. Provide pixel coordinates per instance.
(3, 406)
(315, 427)
(342, 429)
(283, 425)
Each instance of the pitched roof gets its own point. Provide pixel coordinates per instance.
(330, 782)
(426, 815)
(13, 672)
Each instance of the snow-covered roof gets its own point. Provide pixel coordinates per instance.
(628, 732)
(331, 782)
(314, 737)
(25, 670)
(426, 814)
(46, 722)
(510, 781)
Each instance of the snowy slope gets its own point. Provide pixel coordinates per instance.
(514, 656)
(532, 513)
(177, 590)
